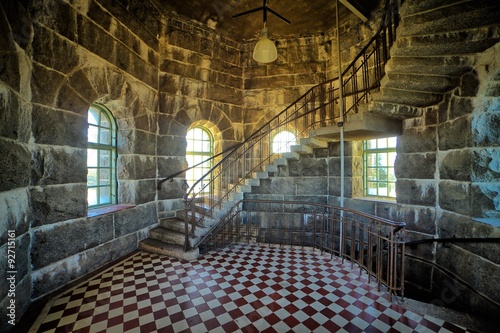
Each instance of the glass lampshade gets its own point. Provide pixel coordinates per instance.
(265, 50)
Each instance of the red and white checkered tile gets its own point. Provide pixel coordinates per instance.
(244, 288)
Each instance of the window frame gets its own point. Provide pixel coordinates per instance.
(111, 149)
(205, 155)
(390, 182)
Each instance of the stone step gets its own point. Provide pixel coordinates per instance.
(361, 126)
(252, 181)
(404, 97)
(174, 224)
(271, 168)
(171, 250)
(412, 7)
(260, 175)
(280, 161)
(167, 235)
(314, 143)
(452, 66)
(291, 155)
(301, 149)
(420, 82)
(460, 16)
(481, 33)
(403, 49)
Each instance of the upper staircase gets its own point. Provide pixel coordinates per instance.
(436, 44)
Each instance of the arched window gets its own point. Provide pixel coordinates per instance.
(199, 149)
(101, 157)
(282, 142)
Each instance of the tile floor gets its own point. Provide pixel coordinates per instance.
(244, 288)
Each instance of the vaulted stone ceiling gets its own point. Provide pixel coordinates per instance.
(306, 17)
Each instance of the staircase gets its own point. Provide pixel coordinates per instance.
(436, 45)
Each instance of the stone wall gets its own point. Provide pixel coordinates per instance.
(270, 88)
(58, 59)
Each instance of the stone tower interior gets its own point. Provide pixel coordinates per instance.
(162, 68)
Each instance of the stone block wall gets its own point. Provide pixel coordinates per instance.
(270, 88)
(200, 85)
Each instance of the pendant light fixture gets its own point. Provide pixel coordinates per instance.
(265, 50)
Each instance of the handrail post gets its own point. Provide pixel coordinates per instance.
(185, 188)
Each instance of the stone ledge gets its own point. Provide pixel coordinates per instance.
(107, 209)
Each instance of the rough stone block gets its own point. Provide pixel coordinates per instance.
(131, 220)
(311, 186)
(417, 272)
(460, 107)
(136, 167)
(51, 204)
(409, 191)
(136, 142)
(49, 166)
(55, 127)
(335, 186)
(171, 190)
(14, 165)
(104, 46)
(170, 165)
(486, 200)
(136, 192)
(71, 100)
(486, 166)
(456, 165)
(455, 134)
(43, 93)
(308, 167)
(417, 219)
(65, 240)
(469, 85)
(415, 166)
(15, 207)
(10, 75)
(486, 129)
(15, 122)
(458, 226)
(172, 145)
(422, 250)
(481, 275)
(455, 196)
(57, 275)
(47, 48)
(417, 141)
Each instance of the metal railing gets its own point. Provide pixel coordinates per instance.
(318, 107)
(374, 244)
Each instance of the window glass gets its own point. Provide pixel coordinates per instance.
(199, 149)
(379, 156)
(283, 141)
(101, 157)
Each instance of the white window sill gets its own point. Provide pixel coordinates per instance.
(107, 210)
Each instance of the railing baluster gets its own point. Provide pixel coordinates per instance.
(374, 244)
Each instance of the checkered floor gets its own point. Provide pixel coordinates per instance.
(245, 288)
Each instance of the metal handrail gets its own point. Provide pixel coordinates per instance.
(316, 108)
(375, 244)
